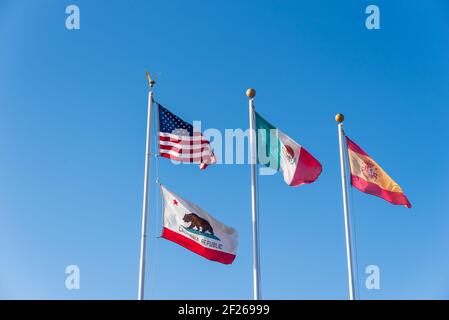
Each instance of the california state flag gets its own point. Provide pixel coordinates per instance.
(193, 228)
(369, 177)
(280, 152)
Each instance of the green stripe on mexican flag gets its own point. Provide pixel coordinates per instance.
(278, 151)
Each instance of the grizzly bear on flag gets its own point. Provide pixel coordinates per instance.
(197, 222)
(205, 236)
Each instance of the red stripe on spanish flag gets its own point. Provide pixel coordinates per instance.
(369, 177)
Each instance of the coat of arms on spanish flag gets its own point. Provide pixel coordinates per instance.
(369, 177)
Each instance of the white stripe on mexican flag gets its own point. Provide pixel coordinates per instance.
(193, 228)
(278, 151)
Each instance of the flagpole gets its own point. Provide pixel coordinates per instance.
(143, 241)
(251, 93)
(339, 118)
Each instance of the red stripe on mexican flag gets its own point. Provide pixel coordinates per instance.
(369, 177)
(278, 151)
(193, 228)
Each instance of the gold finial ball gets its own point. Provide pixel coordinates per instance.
(251, 93)
(339, 117)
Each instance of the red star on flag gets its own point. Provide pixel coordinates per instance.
(175, 202)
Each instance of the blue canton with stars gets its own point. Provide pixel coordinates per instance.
(170, 123)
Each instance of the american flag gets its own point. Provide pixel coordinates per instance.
(178, 141)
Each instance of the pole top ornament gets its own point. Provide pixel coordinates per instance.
(339, 117)
(251, 93)
(151, 82)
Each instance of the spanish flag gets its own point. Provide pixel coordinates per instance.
(369, 177)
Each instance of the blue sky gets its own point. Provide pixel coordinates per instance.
(72, 140)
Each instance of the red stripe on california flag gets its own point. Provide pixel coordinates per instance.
(397, 198)
(307, 170)
(354, 147)
(214, 255)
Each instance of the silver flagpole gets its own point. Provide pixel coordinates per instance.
(339, 118)
(143, 242)
(251, 93)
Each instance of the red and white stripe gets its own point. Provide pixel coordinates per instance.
(180, 148)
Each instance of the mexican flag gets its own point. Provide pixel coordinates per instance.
(280, 152)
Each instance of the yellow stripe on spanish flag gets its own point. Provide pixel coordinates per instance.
(369, 177)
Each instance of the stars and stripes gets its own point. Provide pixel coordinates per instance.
(178, 141)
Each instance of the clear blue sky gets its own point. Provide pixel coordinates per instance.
(72, 140)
